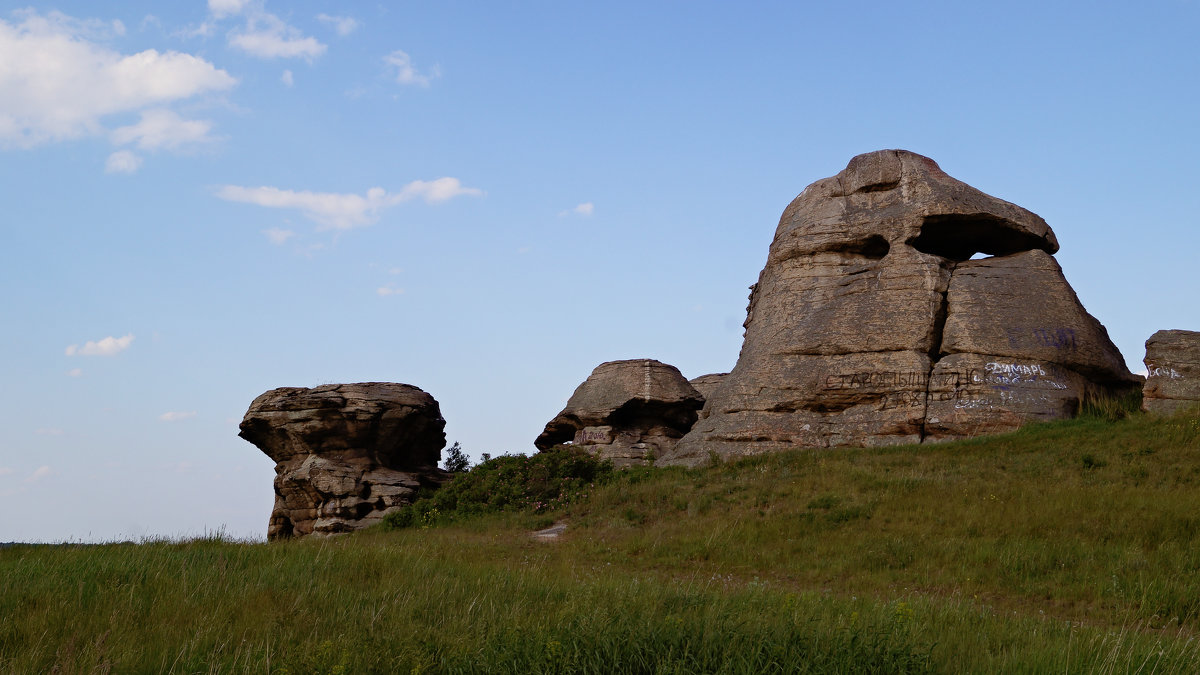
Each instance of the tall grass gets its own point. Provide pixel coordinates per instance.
(1069, 547)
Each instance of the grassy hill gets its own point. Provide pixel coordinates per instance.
(1069, 547)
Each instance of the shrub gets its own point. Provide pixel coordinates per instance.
(456, 460)
(539, 483)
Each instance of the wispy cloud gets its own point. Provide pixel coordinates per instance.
(175, 416)
(584, 209)
(48, 431)
(278, 235)
(104, 347)
(122, 161)
(344, 25)
(267, 36)
(162, 128)
(4, 470)
(38, 474)
(223, 8)
(343, 211)
(405, 72)
(75, 372)
(385, 291)
(58, 81)
(287, 78)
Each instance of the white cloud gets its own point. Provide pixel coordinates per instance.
(162, 128)
(287, 78)
(278, 235)
(105, 347)
(385, 291)
(224, 8)
(4, 470)
(584, 209)
(406, 72)
(122, 161)
(57, 82)
(48, 431)
(267, 36)
(174, 416)
(438, 190)
(75, 372)
(396, 270)
(38, 474)
(343, 211)
(344, 25)
(204, 30)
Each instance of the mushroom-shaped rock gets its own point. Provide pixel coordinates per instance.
(627, 411)
(1173, 371)
(345, 454)
(871, 324)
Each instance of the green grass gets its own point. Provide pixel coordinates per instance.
(1068, 547)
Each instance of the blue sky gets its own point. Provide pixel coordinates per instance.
(207, 200)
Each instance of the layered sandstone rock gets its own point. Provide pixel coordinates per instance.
(627, 411)
(871, 324)
(345, 454)
(1173, 371)
(707, 384)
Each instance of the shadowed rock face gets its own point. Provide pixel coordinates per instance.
(1173, 367)
(872, 325)
(627, 411)
(345, 454)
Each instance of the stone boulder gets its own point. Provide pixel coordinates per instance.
(1173, 371)
(872, 324)
(345, 454)
(627, 411)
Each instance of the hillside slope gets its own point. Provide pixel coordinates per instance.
(1067, 547)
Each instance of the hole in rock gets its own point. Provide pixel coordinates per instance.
(960, 237)
(874, 247)
(879, 187)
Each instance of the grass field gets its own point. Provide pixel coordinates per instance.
(1068, 547)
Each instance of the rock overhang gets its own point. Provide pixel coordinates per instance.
(896, 200)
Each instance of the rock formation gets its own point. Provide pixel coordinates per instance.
(628, 411)
(1173, 371)
(707, 384)
(345, 454)
(871, 324)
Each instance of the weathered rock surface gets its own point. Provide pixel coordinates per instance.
(871, 324)
(627, 411)
(1173, 371)
(707, 384)
(345, 454)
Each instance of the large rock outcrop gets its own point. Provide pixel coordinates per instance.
(871, 324)
(1173, 371)
(627, 411)
(345, 454)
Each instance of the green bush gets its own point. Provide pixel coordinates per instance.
(540, 483)
(456, 460)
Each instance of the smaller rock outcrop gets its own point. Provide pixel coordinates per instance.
(345, 454)
(1172, 371)
(707, 384)
(627, 411)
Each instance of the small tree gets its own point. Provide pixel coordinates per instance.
(456, 460)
